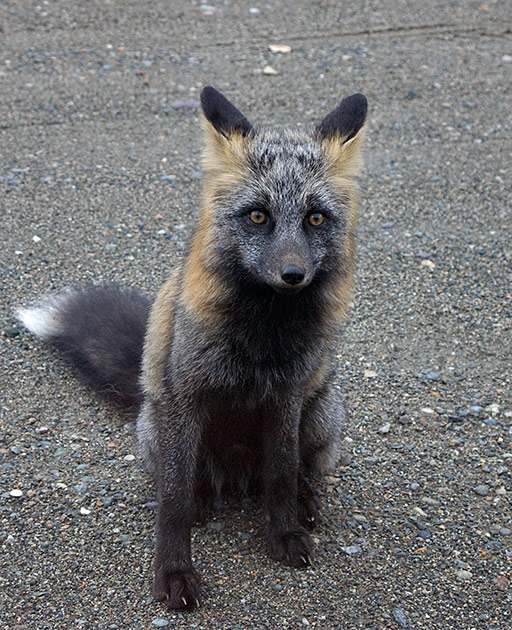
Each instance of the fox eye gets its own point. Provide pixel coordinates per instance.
(258, 217)
(315, 219)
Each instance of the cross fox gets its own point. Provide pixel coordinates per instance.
(230, 366)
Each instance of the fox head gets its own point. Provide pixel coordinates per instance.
(279, 204)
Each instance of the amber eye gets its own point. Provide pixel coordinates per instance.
(257, 216)
(316, 218)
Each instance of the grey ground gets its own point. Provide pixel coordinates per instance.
(100, 180)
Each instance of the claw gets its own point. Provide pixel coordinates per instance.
(197, 602)
(184, 601)
(304, 559)
(310, 518)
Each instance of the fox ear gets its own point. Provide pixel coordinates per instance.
(345, 122)
(223, 115)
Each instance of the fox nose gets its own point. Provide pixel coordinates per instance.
(293, 274)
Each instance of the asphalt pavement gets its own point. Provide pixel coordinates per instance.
(100, 180)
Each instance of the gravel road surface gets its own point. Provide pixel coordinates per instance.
(100, 180)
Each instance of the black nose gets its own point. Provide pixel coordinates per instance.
(293, 274)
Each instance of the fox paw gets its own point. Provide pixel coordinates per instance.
(293, 547)
(309, 510)
(179, 589)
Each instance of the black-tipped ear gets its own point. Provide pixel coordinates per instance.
(346, 120)
(224, 116)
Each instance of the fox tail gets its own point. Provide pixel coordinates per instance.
(101, 330)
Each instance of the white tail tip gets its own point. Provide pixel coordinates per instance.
(44, 320)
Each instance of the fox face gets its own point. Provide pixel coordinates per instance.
(279, 204)
(282, 224)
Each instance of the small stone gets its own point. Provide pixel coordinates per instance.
(506, 58)
(482, 490)
(387, 225)
(425, 534)
(269, 70)
(415, 486)
(360, 518)
(81, 488)
(84, 511)
(111, 247)
(385, 428)
(36, 239)
(129, 458)
(280, 48)
(352, 550)
(168, 178)
(160, 622)
(215, 526)
(427, 410)
(502, 582)
(107, 501)
(432, 375)
(464, 575)
(505, 531)
(399, 617)
(11, 331)
(475, 409)
(417, 510)
(430, 501)
(429, 264)
(369, 374)
(16, 493)
(254, 11)
(345, 459)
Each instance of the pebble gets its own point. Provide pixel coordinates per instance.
(415, 486)
(85, 511)
(464, 575)
(385, 428)
(269, 70)
(505, 531)
(16, 493)
(482, 490)
(399, 617)
(430, 501)
(280, 48)
(419, 511)
(11, 331)
(475, 409)
(352, 550)
(425, 534)
(160, 623)
(432, 375)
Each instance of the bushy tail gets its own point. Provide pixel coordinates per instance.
(101, 329)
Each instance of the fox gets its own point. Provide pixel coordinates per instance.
(231, 367)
